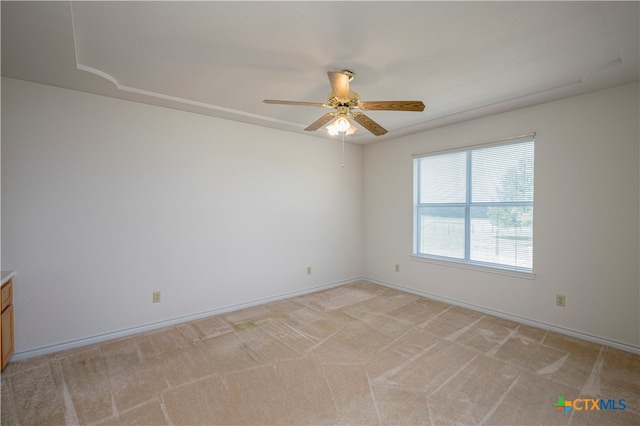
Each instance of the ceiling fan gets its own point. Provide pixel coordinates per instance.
(344, 101)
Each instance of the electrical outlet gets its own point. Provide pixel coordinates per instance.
(156, 297)
(560, 300)
(397, 268)
(308, 270)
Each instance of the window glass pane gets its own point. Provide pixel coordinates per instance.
(441, 231)
(443, 178)
(502, 173)
(502, 235)
(493, 186)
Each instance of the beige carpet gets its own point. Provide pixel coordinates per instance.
(357, 354)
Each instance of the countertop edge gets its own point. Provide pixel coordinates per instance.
(6, 276)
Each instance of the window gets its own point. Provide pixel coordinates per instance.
(475, 206)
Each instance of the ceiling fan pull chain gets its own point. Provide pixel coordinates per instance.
(343, 150)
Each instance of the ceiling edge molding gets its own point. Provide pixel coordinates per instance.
(502, 102)
(609, 65)
(163, 96)
(184, 101)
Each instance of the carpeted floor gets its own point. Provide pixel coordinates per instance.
(357, 354)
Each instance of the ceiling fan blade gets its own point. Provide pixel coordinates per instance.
(339, 84)
(313, 104)
(369, 124)
(393, 105)
(320, 122)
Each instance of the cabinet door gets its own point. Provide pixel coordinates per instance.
(7, 334)
(7, 294)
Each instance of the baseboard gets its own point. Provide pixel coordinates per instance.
(174, 321)
(579, 335)
(179, 320)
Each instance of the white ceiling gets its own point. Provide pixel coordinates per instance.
(462, 59)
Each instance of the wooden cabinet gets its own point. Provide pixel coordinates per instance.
(6, 322)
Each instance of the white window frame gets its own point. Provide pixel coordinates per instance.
(466, 262)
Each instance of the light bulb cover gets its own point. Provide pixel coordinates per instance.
(341, 125)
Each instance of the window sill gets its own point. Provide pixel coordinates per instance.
(474, 267)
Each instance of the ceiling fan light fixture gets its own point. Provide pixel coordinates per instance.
(341, 125)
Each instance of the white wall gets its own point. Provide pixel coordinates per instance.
(586, 220)
(105, 201)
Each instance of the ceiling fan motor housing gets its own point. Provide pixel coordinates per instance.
(352, 102)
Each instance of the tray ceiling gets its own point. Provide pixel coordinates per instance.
(462, 59)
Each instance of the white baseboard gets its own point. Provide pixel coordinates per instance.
(179, 320)
(171, 322)
(622, 346)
